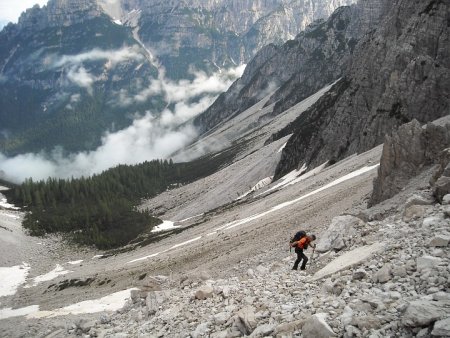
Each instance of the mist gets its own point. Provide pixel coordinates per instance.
(154, 135)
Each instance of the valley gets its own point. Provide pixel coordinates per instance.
(189, 188)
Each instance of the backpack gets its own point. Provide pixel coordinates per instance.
(298, 235)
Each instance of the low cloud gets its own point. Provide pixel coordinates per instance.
(112, 56)
(145, 139)
(151, 136)
(183, 90)
(82, 78)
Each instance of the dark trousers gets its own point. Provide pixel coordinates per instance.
(300, 256)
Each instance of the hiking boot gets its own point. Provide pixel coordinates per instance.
(302, 268)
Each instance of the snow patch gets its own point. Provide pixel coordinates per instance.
(187, 219)
(261, 184)
(58, 271)
(184, 243)
(9, 215)
(281, 148)
(112, 302)
(12, 277)
(75, 262)
(166, 225)
(4, 203)
(9, 312)
(97, 256)
(286, 179)
(164, 251)
(144, 258)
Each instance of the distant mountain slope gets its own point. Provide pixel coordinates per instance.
(399, 71)
(298, 68)
(62, 70)
(74, 70)
(208, 34)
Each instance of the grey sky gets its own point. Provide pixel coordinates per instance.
(10, 10)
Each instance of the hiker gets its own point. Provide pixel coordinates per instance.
(300, 245)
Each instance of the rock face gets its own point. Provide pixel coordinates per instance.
(441, 179)
(299, 68)
(399, 71)
(223, 33)
(405, 154)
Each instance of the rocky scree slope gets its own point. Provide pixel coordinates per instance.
(399, 71)
(401, 289)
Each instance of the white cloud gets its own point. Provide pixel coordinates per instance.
(82, 78)
(11, 10)
(145, 139)
(112, 56)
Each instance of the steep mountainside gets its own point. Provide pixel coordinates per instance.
(297, 69)
(72, 70)
(400, 71)
(210, 34)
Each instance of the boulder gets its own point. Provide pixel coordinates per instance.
(340, 229)
(418, 200)
(441, 178)
(201, 330)
(349, 259)
(446, 199)
(289, 328)
(359, 274)
(317, 327)
(439, 241)
(264, 330)
(245, 321)
(424, 312)
(204, 292)
(221, 318)
(399, 271)
(427, 262)
(366, 322)
(413, 212)
(347, 316)
(384, 274)
(441, 328)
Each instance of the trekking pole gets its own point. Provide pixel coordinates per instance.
(312, 255)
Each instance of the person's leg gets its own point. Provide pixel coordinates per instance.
(299, 258)
(305, 260)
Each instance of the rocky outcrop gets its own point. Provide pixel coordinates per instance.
(399, 71)
(441, 179)
(407, 152)
(59, 13)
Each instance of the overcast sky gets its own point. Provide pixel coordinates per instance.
(10, 10)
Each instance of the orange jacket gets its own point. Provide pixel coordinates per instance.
(304, 242)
